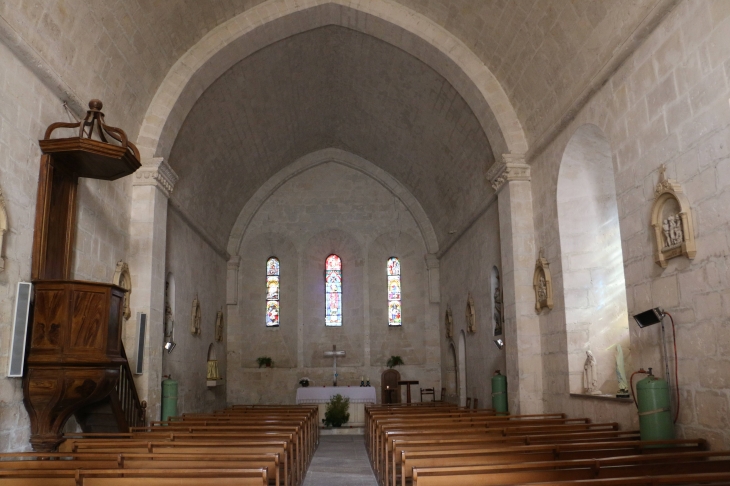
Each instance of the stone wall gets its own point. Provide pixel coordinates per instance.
(467, 268)
(27, 107)
(327, 209)
(668, 104)
(197, 270)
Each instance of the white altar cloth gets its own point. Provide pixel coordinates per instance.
(323, 394)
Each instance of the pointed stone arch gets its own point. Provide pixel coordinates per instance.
(348, 160)
(274, 20)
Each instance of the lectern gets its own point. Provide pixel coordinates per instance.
(75, 351)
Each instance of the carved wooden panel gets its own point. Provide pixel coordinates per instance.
(88, 322)
(49, 314)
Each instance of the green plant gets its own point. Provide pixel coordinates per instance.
(265, 361)
(337, 411)
(394, 361)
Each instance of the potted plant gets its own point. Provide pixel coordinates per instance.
(337, 411)
(394, 361)
(265, 361)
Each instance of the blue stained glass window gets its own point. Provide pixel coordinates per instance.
(394, 292)
(272, 292)
(333, 290)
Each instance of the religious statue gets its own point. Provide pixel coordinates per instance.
(195, 318)
(623, 386)
(541, 288)
(498, 308)
(590, 382)
(219, 326)
(470, 314)
(213, 373)
(542, 283)
(449, 322)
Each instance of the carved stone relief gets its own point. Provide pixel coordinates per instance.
(470, 314)
(543, 284)
(195, 318)
(123, 279)
(449, 322)
(671, 217)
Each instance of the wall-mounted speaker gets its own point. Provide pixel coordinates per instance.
(141, 329)
(20, 329)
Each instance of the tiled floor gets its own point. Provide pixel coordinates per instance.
(340, 460)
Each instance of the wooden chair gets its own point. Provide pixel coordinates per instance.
(389, 387)
(476, 403)
(442, 397)
(428, 391)
(468, 402)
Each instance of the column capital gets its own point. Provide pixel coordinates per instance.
(156, 172)
(234, 262)
(512, 167)
(432, 261)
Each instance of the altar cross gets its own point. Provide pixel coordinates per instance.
(334, 354)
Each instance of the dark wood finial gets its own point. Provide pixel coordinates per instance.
(95, 105)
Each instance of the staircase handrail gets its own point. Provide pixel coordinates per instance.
(134, 409)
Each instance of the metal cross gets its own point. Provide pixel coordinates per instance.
(334, 354)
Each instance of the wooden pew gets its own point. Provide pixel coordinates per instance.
(629, 471)
(197, 447)
(135, 477)
(522, 456)
(57, 461)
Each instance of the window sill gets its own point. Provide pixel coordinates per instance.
(611, 398)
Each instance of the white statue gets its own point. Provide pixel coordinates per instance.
(542, 289)
(623, 386)
(665, 230)
(590, 382)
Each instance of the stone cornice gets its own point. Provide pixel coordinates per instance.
(511, 168)
(156, 172)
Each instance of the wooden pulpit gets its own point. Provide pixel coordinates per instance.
(74, 356)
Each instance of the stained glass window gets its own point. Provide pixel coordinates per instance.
(394, 292)
(272, 292)
(333, 290)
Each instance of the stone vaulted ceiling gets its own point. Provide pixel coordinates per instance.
(543, 52)
(330, 87)
(360, 95)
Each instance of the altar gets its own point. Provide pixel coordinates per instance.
(321, 395)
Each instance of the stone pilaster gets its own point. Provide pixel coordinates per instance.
(152, 185)
(434, 289)
(232, 280)
(511, 179)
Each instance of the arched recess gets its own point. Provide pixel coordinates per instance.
(462, 368)
(594, 286)
(348, 160)
(274, 20)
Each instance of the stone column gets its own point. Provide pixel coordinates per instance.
(511, 179)
(152, 185)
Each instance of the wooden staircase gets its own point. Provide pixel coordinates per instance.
(117, 412)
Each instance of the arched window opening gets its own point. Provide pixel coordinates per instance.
(333, 290)
(272, 292)
(394, 292)
(592, 259)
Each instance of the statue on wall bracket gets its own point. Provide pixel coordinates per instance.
(542, 282)
(470, 314)
(449, 322)
(3, 229)
(671, 217)
(123, 279)
(219, 326)
(195, 318)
